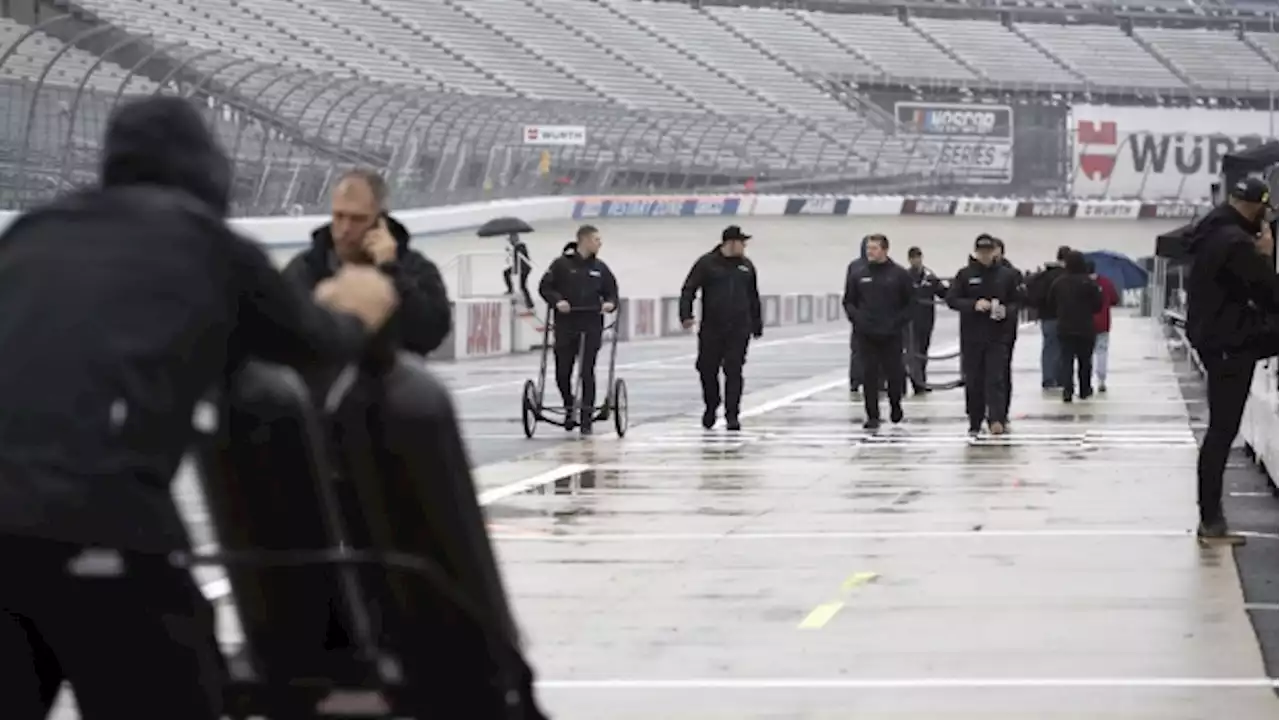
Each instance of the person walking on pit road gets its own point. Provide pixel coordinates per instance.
(927, 289)
(879, 296)
(1074, 299)
(1037, 296)
(986, 295)
(579, 287)
(729, 287)
(1102, 326)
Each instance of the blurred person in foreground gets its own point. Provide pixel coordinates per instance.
(362, 233)
(985, 293)
(879, 297)
(1011, 330)
(1074, 299)
(927, 289)
(1102, 326)
(1232, 324)
(579, 287)
(124, 305)
(730, 292)
(1037, 297)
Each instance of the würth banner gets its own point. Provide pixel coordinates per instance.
(878, 206)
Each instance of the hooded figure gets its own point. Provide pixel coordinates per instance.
(424, 317)
(124, 305)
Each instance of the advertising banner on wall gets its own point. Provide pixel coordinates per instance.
(555, 135)
(972, 141)
(654, 206)
(1158, 153)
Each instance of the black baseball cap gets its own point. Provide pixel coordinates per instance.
(984, 242)
(733, 232)
(1251, 189)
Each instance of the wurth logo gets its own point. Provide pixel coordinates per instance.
(1088, 134)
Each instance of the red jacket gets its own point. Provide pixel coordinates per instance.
(1110, 298)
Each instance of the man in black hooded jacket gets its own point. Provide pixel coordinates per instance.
(730, 318)
(362, 233)
(124, 304)
(1232, 323)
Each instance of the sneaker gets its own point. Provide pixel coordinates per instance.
(895, 414)
(997, 428)
(708, 419)
(855, 389)
(731, 423)
(871, 424)
(975, 430)
(1217, 533)
(1102, 388)
(1066, 397)
(586, 431)
(1086, 394)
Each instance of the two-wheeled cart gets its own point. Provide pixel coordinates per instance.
(533, 408)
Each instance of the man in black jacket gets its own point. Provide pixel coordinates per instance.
(1037, 296)
(730, 318)
(928, 289)
(1232, 323)
(124, 304)
(855, 361)
(362, 233)
(985, 294)
(1074, 298)
(579, 287)
(879, 296)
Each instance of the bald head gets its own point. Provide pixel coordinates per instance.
(358, 200)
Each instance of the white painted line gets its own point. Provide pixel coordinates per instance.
(495, 494)
(863, 535)
(794, 397)
(1260, 535)
(903, 683)
(533, 367)
(1267, 607)
(1251, 494)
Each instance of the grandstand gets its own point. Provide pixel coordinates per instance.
(673, 95)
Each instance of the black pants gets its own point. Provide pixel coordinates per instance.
(918, 358)
(1076, 353)
(1008, 379)
(855, 362)
(135, 640)
(881, 360)
(1229, 380)
(985, 365)
(524, 284)
(569, 340)
(722, 351)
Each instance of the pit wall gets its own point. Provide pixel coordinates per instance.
(488, 327)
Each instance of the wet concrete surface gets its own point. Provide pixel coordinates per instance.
(804, 568)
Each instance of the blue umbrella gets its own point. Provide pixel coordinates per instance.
(1121, 270)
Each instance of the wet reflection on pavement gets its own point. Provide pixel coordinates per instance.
(805, 568)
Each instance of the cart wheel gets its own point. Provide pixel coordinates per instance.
(620, 416)
(529, 408)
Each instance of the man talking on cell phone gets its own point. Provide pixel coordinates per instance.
(363, 233)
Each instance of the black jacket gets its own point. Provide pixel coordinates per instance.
(927, 289)
(587, 283)
(730, 294)
(124, 305)
(422, 321)
(1073, 299)
(879, 298)
(1037, 292)
(1021, 301)
(1231, 291)
(974, 282)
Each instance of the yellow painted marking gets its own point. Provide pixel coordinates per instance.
(822, 614)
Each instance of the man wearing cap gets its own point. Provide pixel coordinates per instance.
(927, 289)
(1231, 322)
(730, 293)
(985, 293)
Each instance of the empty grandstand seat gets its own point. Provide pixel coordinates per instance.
(995, 51)
(1212, 59)
(899, 50)
(1103, 54)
